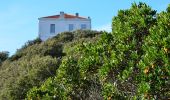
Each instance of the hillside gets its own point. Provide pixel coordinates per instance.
(131, 62)
(36, 61)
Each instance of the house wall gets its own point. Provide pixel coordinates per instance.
(61, 25)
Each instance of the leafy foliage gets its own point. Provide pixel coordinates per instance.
(34, 63)
(132, 62)
(3, 56)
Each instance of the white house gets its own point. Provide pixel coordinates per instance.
(52, 25)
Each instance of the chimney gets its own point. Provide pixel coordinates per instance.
(77, 14)
(61, 14)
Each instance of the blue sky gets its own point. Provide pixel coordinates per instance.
(19, 18)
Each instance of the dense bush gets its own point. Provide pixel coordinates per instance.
(3, 56)
(34, 63)
(24, 74)
(133, 62)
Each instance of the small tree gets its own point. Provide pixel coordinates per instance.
(3, 56)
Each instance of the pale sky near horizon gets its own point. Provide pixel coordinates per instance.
(19, 18)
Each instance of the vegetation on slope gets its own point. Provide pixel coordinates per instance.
(35, 62)
(131, 62)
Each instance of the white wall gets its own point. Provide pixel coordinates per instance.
(61, 25)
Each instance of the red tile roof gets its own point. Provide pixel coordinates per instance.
(65, 16)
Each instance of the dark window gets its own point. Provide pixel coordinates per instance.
(52, 28)
(83, 26)
(71, 27)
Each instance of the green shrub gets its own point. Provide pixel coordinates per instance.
(130, 63)
(33, 64)
(68, 82)
(3, 56)
(29, 43)
(26, 73)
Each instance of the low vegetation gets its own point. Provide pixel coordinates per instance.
(35, 62)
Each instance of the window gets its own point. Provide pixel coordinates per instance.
(52, 28)
(71, 27)
(83, 26)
